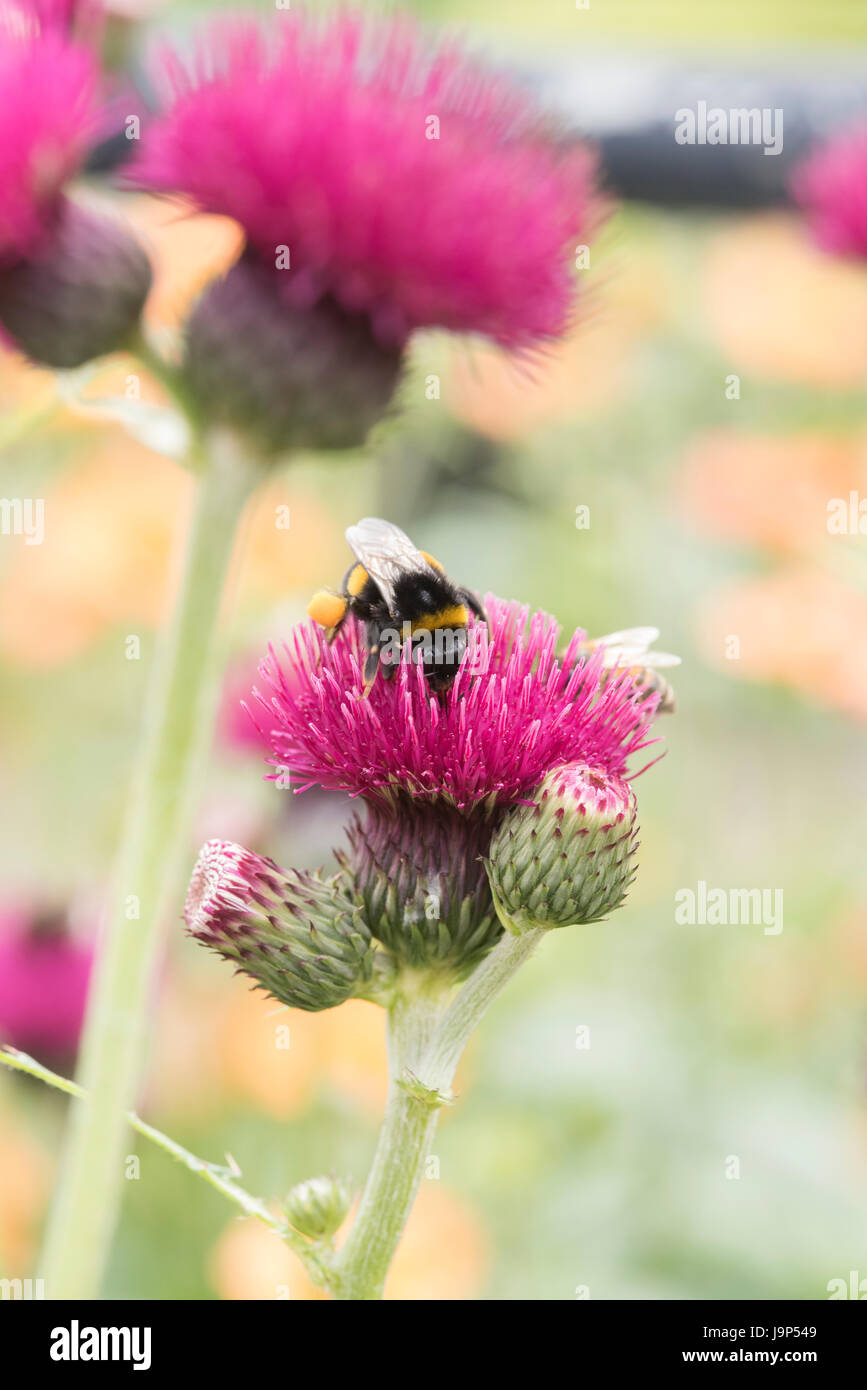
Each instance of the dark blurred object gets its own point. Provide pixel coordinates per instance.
(628, 104)
(420, 475)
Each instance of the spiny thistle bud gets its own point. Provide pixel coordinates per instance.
(318, 1206)
(300, 937)
(567, 858)
(79, 296)
(291, 376)
(419, 868)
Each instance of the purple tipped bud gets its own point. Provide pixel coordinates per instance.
(567, 859)
(298, 936)
(80, 295)
(290, 376)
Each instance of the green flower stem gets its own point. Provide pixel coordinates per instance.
(178, 723)
(426, 1040)
(403, 1146)
(473, 1001)
(221, 1177)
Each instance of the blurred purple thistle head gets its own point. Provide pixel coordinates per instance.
(44, 976)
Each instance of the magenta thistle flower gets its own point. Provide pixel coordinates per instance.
(72, 282)
(403, 181)
(48, 114)
(438, 776)
(44, 976)
(831, 187)
(488, 743)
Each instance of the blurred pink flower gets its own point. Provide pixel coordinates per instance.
(44, 975)
(47, 118)
(236, 729)
(399, 178)
(831, 187)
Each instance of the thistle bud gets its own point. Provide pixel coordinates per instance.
(318, 1206)
(567, 858)
(289, 376)
(80, 295)
(300, 937)
(419, 869)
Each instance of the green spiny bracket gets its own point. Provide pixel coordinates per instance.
(426, 1095)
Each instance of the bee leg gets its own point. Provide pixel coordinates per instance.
(371, 666)
(331, 632)
(473, 604)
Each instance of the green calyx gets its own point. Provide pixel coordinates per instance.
(568, 858)
(419, 870)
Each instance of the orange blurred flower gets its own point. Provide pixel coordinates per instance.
(25, 1181)
(800, 626)
(444, 1250)
(108, 527)
(769, 490)
(781, 308)
(580, 376)
(250, 1262)
(353, 1055)
(186, 252)
(443, 1255)
(267, 1053)
(110, 524)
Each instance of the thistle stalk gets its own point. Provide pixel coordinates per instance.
(427, 1035)
(178, 720)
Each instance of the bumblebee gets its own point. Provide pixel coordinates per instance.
(629, 651)
(399, 593)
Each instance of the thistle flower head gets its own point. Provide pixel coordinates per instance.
(399, 179)
(515, 711)
(568, 858)
(47, 118)
(831, 187)
(301, 938)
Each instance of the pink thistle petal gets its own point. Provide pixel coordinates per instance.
(316, 138)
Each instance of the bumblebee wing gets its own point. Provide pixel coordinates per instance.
(630, 648)
(639, 638)
(386, 553)
(660, 659)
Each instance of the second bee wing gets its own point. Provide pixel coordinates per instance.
(630, 648)
(386, 553)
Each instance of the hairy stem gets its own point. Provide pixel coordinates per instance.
(177, 727)
(426, 1040)
(222, 1177)
(403, 1146)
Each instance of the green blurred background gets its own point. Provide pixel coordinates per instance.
(565, 1167)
